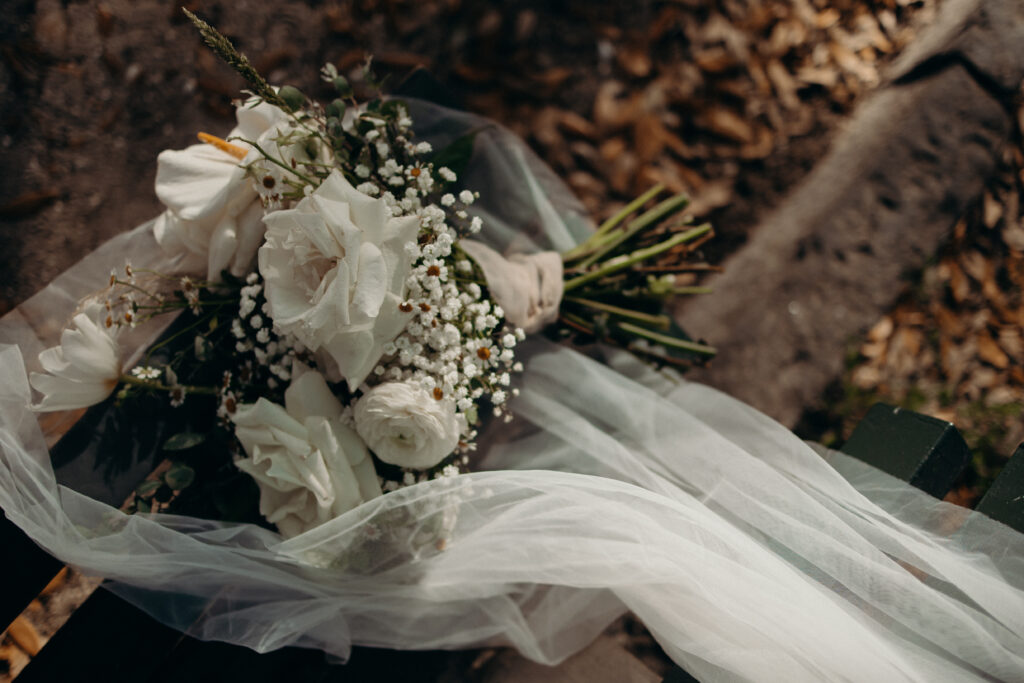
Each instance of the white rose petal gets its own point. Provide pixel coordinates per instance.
(310, 467)
(404, 425)
(335, 270)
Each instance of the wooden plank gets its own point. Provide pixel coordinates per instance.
(26, 572)
(926, 452)
(1004, 501)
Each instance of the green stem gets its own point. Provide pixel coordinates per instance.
(637, 256)
(692, 290)
(588, 244)
(645, 220)
(666, 340)
(273, 160)
(159, 386)
(661, 321)
(165, 342)
(132, 285)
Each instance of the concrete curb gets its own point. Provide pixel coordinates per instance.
(829, 262)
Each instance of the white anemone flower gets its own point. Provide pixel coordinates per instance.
(214, 214)
(82, 371)
(335, 269)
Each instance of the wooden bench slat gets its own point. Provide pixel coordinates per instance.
(924, 451)
(1004, 501)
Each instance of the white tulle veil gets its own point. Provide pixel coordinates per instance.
(749, 554)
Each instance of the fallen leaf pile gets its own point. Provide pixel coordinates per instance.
(617, 97)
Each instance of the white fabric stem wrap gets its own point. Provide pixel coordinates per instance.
(528, 286)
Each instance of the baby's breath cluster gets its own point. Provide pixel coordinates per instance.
(456, 345)
(267, 356)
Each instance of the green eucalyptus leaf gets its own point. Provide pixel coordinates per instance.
(179, 476)
(183, 441)
(143, 506)
(456, 155)
(292, 96)
(147, 488)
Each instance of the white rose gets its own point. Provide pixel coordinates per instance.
(83, 370)
(335, 269)
(406, 426)
(214, 217)
(309, 466)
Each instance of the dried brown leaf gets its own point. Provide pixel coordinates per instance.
(715, 60)
(29, 203)
(472, 74)
(785, 85)
(959, 286)
(553, 78)
(576, 125)
(726, 123)
(611, 109)
(786, 35)
(635, 61)
(825, 77)
(762, 146)
(881, 330)
(990, 352)
(992, 210)
(612, 148)
(713, 195)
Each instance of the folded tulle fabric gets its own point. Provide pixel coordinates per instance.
(748, 554)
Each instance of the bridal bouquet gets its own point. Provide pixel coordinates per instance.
(343, 334)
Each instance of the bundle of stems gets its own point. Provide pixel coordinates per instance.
(621, 281)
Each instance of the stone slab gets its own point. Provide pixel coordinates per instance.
(832, 258)
(986, 34)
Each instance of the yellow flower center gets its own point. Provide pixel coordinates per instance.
(223, 145)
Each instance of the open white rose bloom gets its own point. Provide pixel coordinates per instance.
(746, 553)
(310, 467)
(335, 269)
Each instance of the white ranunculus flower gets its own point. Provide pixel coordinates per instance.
(309, 466)
(214, 216)
(406, 426)
(83, 370)
(335, 270)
